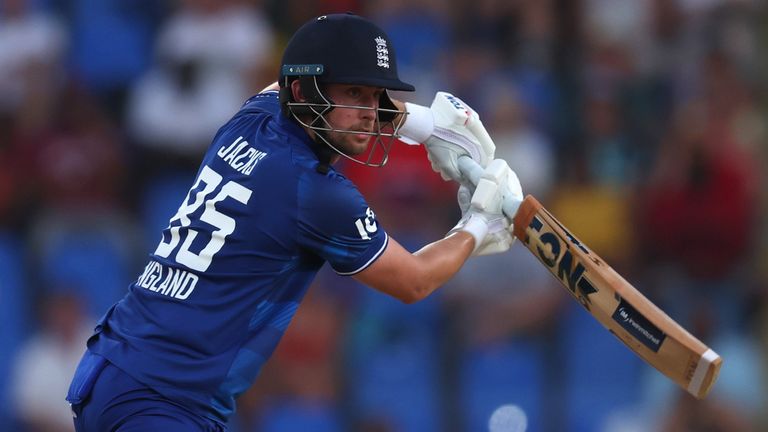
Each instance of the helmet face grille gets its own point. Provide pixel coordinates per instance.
(312, 115)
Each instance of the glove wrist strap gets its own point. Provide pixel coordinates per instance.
(419, 124)
(473, 224)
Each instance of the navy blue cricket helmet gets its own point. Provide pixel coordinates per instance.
(348, 49)
(341, 49)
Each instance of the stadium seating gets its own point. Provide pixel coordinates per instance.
(602, 375)
(95, 262)
(509, 373)
(14, 310)
(159, 202)
(299, 415)
(393, 362)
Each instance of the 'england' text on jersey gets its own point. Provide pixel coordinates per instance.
(169, 281)
(240, 156)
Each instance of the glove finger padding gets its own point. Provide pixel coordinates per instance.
(488, 196)
(442, 159)
(499, 238)
(489, 201)
(464, 197)
(512, 187)
(482, 212)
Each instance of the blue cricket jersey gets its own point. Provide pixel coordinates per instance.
(235, 261)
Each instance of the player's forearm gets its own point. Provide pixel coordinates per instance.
(411, 277)
(441, 260)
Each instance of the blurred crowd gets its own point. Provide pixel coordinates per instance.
(639, 123)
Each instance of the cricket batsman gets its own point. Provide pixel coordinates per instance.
(266, 210)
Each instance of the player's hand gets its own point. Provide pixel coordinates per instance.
(482, 216)
(448, 129)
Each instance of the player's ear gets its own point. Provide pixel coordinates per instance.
(298, 95)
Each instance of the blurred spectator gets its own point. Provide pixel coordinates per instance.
(527, 149)
(616, 22)
(601, 217)
(502, 311)
(611, 157)
(72, 160)
(498, 297)
(392, 366)
(93, 252)
(16, 318)
(713, 415)
(32, 45)
(76, 160)
(79, 227)
(421, 32)
(111, 41)
(289, 15)
(211, 55)
(46, 362)
(13, 194)
(405, 190)
(304, 375)
(705, 178)
(612, 161)
(501, 41)
(488, 24)
(702, 181)
(467, 63)
(308, 356)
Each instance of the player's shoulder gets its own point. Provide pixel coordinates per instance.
(327, 190)
(266, 101)
(260, 122)
(331, 178)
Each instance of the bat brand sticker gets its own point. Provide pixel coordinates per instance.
(638, 326)
(564, 266)
(576, 241)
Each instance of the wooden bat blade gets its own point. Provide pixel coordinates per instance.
(615, 303)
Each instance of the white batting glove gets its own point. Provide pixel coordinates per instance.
(448, 129)
(481, 210)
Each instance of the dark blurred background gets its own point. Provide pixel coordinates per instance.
(639, 123)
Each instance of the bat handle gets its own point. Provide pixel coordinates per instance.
(472, 171)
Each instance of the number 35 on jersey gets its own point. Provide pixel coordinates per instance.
(210, 192)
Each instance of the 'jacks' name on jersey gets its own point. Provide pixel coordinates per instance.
(241, 156)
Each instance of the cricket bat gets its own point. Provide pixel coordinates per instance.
(613, 301)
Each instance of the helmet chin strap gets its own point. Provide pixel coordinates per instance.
(324, 151)
(312, 94)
